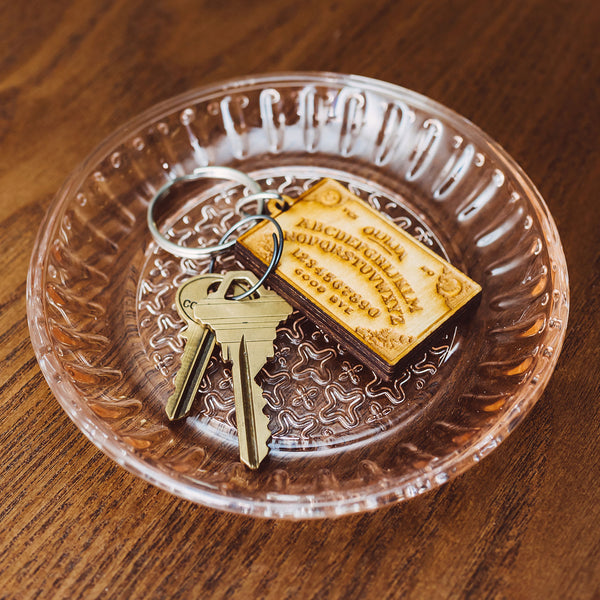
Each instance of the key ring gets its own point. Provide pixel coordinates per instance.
(219, 172)
(277, 250)
(215, 172)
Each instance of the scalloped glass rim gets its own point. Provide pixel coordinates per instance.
(310, 506)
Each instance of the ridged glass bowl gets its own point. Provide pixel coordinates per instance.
(105, 330)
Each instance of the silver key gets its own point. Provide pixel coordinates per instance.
(245, 330)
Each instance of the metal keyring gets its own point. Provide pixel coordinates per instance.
(214, 172)
(277, 250)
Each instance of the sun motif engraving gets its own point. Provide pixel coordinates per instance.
(264, 248)
(330, 197)
(452, 289)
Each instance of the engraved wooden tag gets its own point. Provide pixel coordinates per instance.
(372, 286)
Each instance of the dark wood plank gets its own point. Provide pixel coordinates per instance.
(522, 524)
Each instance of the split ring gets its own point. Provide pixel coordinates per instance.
(277, 250)
(212, 172)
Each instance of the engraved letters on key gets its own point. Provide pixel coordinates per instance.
(358, 275)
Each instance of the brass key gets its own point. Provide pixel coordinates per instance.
(200, 341)
(245, 330)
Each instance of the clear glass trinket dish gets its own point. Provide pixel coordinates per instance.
(105, 330)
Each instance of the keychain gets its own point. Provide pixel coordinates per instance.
(234, 310)
(379, 292)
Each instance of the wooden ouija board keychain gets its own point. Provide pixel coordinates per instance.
(378, 291)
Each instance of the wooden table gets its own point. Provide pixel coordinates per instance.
(522, 524)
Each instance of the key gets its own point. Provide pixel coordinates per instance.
(245, 330)
(200, 341)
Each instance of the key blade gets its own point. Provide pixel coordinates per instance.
(254, 432)
(193, 366)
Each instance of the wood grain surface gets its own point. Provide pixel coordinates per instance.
(522, 524)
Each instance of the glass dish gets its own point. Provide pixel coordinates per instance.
(105, 330)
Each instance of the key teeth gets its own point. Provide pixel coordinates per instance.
(262, 433)
(173, 401)
(266, 434)
(194, 361)
(263, 452)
